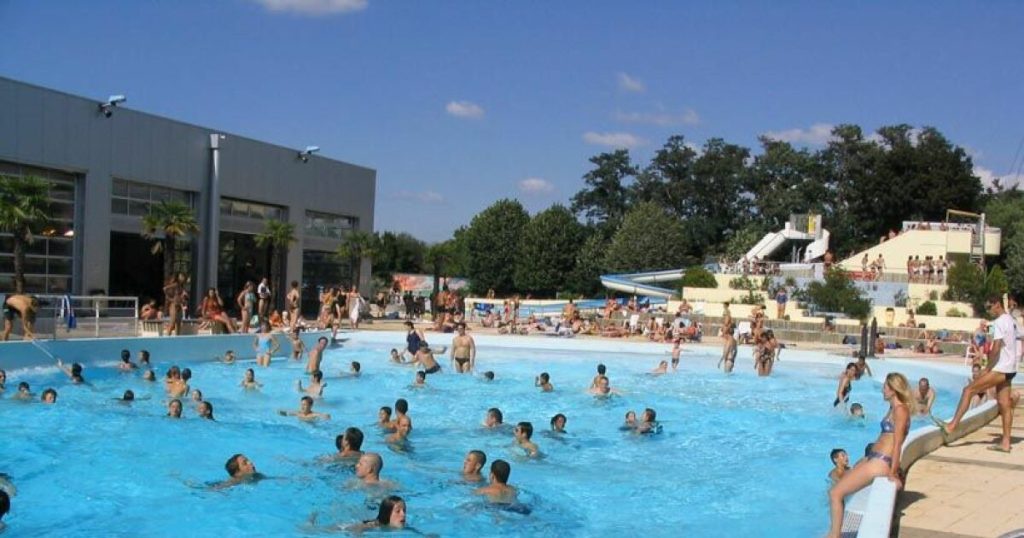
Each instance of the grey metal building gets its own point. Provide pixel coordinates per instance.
(105, 173)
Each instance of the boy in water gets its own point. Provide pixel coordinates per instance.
(841, 463)
(305, 411)
(523, 433)
(498, 489)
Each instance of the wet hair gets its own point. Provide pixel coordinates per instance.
(295, 283)
(601, 369)
(854, 406)
(128, 396)
(307, 399)
(386, 507)
(835, 454)
(48, 392)
(23, 385)
(501, 469)
(76, 370)
(209, 406)
(556, 417)
(387, 411)
(317, 375)
(197, 394)
(545, 377)
(489, 375)
(496, 413)
(354, 437)
(479, 456)
(851, 365)
(420, 374)
(145, 355)
(393, 350)
(356, 366)
(401, 406)
(126, 355)
(651, 413)
(173, 371)
(526, 428)
(149, 375)
(186, 374)
(5, 503)
(322, 339)
(232, 465)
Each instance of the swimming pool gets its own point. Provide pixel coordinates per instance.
(739, 455)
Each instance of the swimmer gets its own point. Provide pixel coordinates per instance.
(676, 351)
(544, 382)
(523, 433)
(149, 375)
(475, 460)
(24, 392)
(648, 422)
(174, 408)
(174, 384)
(845, 384)
(403, 425)
(494, 418)
(298, 348)
(601, 370)
(368, 471)
(402, 410)
(349, 444)
(498, 489)
(425, 358)
(661, 369)
(488, 376)
(240, 470)
(395, 357)
(249, 381)
(229, 357)
(205, 410)
(75, 372)
(884, 458)
(3, 380)
(421, 379)
(316, 355)
(463, 350)
(127, 397)
(841, 462)
(5, 506)
(197, 397)
(603, 388)
(305, 411)
(126, 364)
(924, 395)
(630, 423)
(144, 358)
(265, 345)
(186, 375)
(354, 370)
(384, 418)
(856, 410)
(315, 389)
(49, 396)
(390, 515)
(862, 366)
(558, 423)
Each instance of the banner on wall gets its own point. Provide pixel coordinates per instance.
(424, 284)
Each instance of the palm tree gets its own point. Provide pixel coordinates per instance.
(164, 224)
(439, 257)
(276, 234)
(24, 209)
(355, 247)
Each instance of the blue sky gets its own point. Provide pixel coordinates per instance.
(459, 103)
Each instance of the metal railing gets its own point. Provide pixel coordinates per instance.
(86, 316)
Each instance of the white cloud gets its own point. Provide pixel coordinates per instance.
(988, 177)
(535, 185)
(315, 7)
(664, 119)
(426, 197)
(630, 84)
(818, 134)
(615, 140)
(465, 109)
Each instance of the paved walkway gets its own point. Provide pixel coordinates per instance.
(965, 490)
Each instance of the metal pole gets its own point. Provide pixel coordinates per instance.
(213, 214)
(873, 337)
(96, 319)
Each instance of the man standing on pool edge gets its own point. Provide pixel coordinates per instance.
(1002, 368)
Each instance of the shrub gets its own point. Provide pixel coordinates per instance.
(955, 313)
(839, 294)
(699, 277)
(933, 295)
(927, 308)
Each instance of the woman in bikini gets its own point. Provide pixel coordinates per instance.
(213, 310)
(884, 457)
(265, 344)
(246, 305)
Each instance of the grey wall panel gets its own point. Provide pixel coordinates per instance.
(55, 132)
(28, 109)
(8, 119)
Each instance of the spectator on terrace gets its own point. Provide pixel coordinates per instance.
(828, 259)
(911, 322)
(684, 308)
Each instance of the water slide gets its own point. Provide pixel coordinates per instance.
(639, 283)
(774, 240)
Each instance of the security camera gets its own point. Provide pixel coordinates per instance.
(108, 108)
(304, 154)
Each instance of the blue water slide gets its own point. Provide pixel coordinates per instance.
(640, 283)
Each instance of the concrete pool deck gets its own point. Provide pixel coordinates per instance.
(965, 490)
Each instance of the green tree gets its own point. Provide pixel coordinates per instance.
(398, 253)
(277, 235)
(585, 277)
(668, 179)
(838, 293)
(547, 251)
(720, 203)
(699, 277)
(966, 283)
(357, 246)
(24, 210)
(493, 239)
(604, 199)
(165, 223)
(995, 283)
(438, 258)
(743, 240)
(649, 239)
(1013, 256)
(785, 180)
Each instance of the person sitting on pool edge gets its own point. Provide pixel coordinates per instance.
(498, 489)
(494, 418)
(475, 460)
(523, 433)
(240, 470)
(544, 382)
(349, 444)
(305, 411)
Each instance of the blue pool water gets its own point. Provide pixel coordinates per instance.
(739, 455)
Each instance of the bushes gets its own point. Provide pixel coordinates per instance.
(839, 294)
(955, 313)
(927, 308)
(699, 277)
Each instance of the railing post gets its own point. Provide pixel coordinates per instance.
(96, 318)
(136, 316)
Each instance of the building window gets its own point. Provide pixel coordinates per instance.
(49, 259)
(328, 225)
(231, 207)
(134, 199)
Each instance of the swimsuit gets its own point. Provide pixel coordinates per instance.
(263, 347)
(434, 369)
(413, 341)
(879, 456)
(462, 362)
(7, 310)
